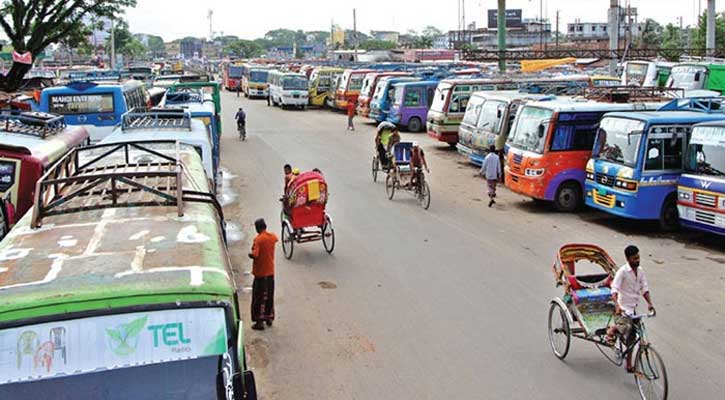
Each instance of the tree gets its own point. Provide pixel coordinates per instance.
(126, 43)
(374, 44)
(32, 25)
(431, 31)
(651, 34)
(156, 46)
(701, 32)
(672, 42)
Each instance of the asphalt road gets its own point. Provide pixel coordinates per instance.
(450, 302)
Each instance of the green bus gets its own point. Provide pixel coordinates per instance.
(118, 284)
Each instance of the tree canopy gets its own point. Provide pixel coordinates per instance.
(33, 25)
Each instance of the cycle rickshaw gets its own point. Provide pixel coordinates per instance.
(586, 310)
(383, 165)
(303, 214)
(401, 174)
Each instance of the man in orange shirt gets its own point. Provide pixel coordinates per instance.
(350, 115)
(263, 271)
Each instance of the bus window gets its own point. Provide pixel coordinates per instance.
(81, 104)
(413, 97)
(459, 102)
(491, 116)
(323, 85)
(577, 134)
(429, 96)
(356, 82)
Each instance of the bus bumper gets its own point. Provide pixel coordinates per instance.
(437, 132)
(530, 186)
(621, 204)
(473, 157)
(702, 220)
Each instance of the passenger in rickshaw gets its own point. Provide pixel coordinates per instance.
(289, 179)
(387, 136)
(287, 176)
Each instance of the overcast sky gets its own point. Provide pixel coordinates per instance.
(249, 19)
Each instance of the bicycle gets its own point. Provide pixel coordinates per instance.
(242, 128)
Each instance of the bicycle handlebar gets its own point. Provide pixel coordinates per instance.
(651, 314)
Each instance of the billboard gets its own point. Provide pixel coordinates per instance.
(513, 19)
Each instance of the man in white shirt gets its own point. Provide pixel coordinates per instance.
(629, 284)
(491, 170)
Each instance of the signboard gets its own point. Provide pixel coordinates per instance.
(513, 19)
(708, 136)
(81, 104)
(7, 175)
(92, 344)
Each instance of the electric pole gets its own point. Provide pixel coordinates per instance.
(501, 36)
(354, 31)
(613, 36)
(557, 29)
(710, 28)
(113, 45)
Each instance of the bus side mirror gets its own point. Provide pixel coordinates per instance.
(499, 113)
(541, 131)
(698, 76)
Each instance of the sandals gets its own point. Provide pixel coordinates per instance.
(630, 370)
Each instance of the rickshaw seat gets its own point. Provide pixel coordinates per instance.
(592, 295)
(402, 153)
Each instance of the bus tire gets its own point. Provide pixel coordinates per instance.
(415, 124)
(568, 197)
(669, 216)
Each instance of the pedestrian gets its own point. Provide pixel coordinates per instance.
(239, 88)
(350, 115)
(263, 271)
(269, 98)
(491, 170)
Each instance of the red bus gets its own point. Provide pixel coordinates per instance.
(232, 75)
(29, 144)
(348, 90)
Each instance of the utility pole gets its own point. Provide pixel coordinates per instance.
(613, 36)
(710, 28)
(113, 44)
(557, 29)
(354, 31)
(541, 24)
(210, 15)
(501, 36)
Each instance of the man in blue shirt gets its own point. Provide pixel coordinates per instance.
(491, 170)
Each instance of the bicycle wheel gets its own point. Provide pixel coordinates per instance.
(424, 195)
(650, 374)
(559, 331)
(376, 168)
(328, 235)
(390, 186)
(288, 241)
(613, 353)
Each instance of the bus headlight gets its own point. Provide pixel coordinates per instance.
(685, 195)
(626, 185)
(722, 203)
(534, 172)
(590, 176)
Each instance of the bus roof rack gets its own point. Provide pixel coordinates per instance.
(626, 94)
(156, 118)
(36, 124)
(710, 105)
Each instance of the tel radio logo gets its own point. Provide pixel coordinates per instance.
(123, 339)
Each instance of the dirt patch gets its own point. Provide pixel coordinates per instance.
(258, 351)
(327, 285)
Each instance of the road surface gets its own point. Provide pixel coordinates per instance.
(450, 302)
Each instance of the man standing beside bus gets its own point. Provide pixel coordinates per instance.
(350, 115)
(491, 170)
(263, 271)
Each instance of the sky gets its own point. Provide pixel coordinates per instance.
(173, 19)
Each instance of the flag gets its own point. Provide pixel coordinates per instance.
(25, 58)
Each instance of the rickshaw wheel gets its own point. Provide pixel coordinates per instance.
(612, 353)
(424, 196)
(390, 186)
(376, 168)
(328, 235)
(288, 241)
(559, 331)
(650, 375)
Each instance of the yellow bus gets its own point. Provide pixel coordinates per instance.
(322, 86)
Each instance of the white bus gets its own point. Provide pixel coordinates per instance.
(288, 89)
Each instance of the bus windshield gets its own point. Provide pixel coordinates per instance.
(379, 90)
(688, 77)
(367, 86)
(706, 154)
(526, 134)
(294, 83)
(636, 72)
(258, 76)
(236, 71)
(439, 99)
(356, 82)
(618, 140)
(399, 96)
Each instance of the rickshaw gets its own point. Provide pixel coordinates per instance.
(378, 164)
(303, 214)
(401, 174)
(586, 310)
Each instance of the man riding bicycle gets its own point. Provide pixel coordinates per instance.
(241, 118)
(417, 162)
(629, 284)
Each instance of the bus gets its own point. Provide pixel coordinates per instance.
(232, 75)
(348, 89)
(488, 120)
(411, 104)
(549, 146)
(368, 90)
(638, 159)
(698, 76)
(124, 289)
(98, 107)
(254, 82)
(646, 73)
(701, 188)
(322, 86)
(142, 73)
(288, 89)
(29, 144)
(384, 95)
(169, 124)
(449, 105)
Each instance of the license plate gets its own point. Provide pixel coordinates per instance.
(602, 192)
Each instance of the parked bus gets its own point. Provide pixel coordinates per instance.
(384, 95)
(411, 104)
(449, 105)
(646, 73)
(368, 90)
(29, 144)
(125, 289)
(634, 168)
(212, 93)
(694, 76)
(288, 89)
(254, 82)
(322, 86)
(98, 107)
(549, 146)
(142, 73)
(488, 120)
(701, 188)
(232, 75)
(348, 89)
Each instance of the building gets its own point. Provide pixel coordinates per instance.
(426, 55)
(191, 48)
(530, 33)
(387, 36)
(442, 42)
(599, 31)
(173, 49)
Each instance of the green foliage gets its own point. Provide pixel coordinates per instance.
(243, 48)
(431, 31)
(374, 44)
(701, 32)
(126, 43)
(651, 34)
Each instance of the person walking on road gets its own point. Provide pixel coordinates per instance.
(263, 271)
(269, 98)
(350, 115)
(491, 170)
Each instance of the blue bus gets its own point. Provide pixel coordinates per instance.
(99, 107)
(411, 103)
(638, 158)
(701, 190)
(383, 97)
